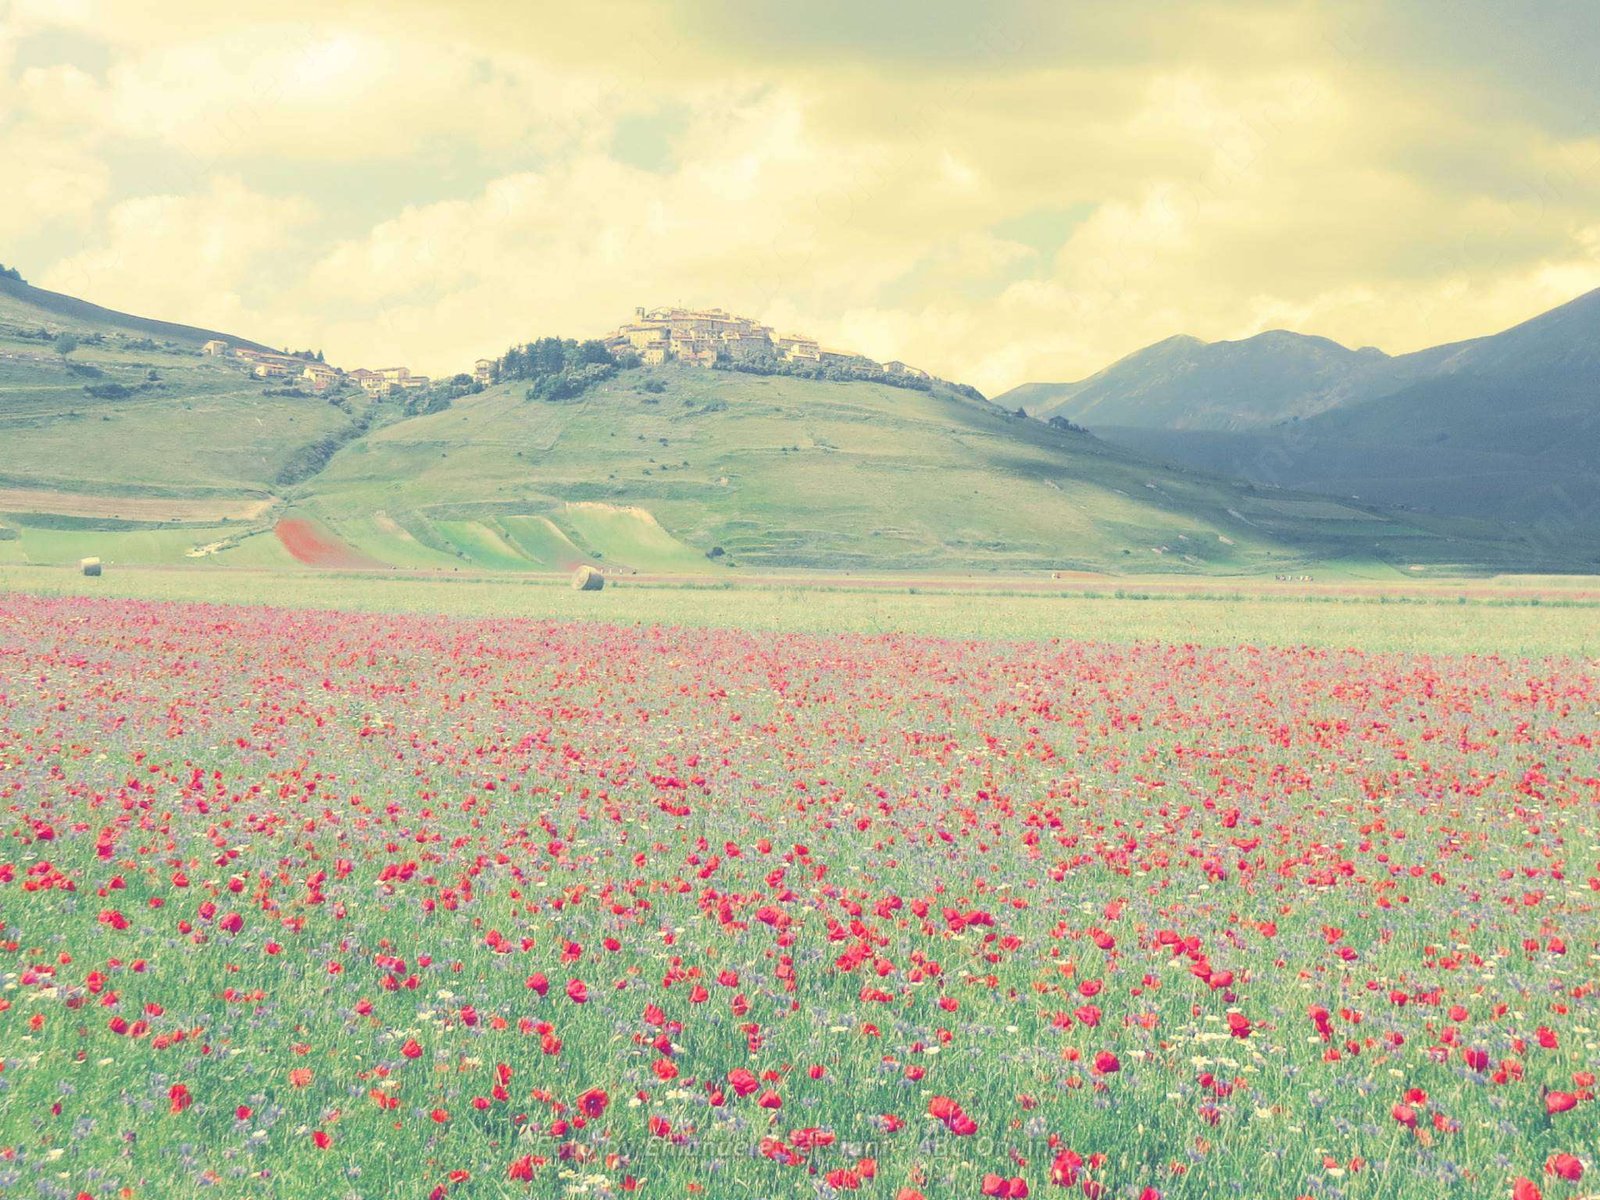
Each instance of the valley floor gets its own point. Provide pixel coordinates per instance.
(1512, 616)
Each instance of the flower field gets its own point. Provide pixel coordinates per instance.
(318, 904)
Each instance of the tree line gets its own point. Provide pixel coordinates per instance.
(560, 368)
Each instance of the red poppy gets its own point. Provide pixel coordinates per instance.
(592, 1103)
(1564, 1166)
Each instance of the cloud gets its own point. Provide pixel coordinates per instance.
(54, 177)
(435, 182)
(60, 187)
(215, 258)
(348, 94)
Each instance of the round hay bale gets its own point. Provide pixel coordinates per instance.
(89, 566)
(587, 579)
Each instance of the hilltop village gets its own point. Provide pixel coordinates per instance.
(707, 336)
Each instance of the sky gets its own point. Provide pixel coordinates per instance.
(999, 192)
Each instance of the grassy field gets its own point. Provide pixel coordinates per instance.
(187, 426)
(1552, 617)
(134, 446)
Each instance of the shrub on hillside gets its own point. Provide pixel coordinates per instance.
(571, 383)
(857, 371)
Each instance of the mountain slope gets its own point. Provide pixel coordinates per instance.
(1184, 383)
(135, 432)
(143, 450)
(1278, 376)
(1499, 427)
(21, 302)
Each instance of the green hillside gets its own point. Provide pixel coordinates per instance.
(126, 437)
(24, 306)
(657, 469)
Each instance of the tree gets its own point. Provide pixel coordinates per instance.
(65, 344)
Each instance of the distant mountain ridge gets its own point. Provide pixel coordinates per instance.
(1185, 383)
(1502, 426)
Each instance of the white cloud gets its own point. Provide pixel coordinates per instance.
(1228, 170)
(202, 258)
(61, 185)
(745, 221)
(343, 92)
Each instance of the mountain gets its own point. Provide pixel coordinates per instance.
(138, 449)
(21, 302)
(1500, 427)
(1184, 383)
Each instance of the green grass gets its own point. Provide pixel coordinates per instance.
(254, 810)
(541, 541)
(188, 425)
(630, 537)
(479, 543)
(201, 424)
(1508, 621)
(147, 546)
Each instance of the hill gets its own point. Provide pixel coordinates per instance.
(1498, 427)
(135, 439)
(22, 303)
(657, 468)
(140, 449)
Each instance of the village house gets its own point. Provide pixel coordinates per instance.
(794, 348)
(370, 382)
(267, 365)
(320, 376)
(386, 380)
(483, 371)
